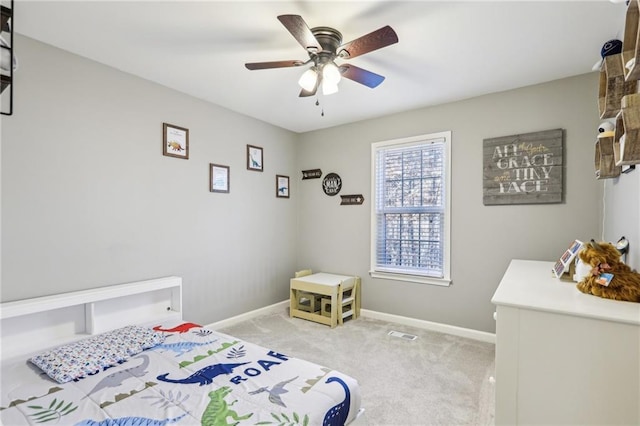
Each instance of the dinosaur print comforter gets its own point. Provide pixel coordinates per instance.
(195, 377)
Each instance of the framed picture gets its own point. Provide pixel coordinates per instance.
(282, 186)
(526, 168)
(254, 158)
(175, 141)
(218, 178)
(563, 265)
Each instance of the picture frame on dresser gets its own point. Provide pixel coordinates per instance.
(565, 263)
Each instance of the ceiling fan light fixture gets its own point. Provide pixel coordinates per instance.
(323, 45)
(308, 79)
(329, 88)
(331, 74)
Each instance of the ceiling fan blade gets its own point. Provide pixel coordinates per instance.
(375, 40)
(299, 29)
(272, 64)
(361, 76)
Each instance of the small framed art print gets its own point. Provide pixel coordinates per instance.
(175, 141)
(218, 178)
(254, 158)
(282, 186)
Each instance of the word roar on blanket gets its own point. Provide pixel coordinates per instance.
(205, 375)
(264, 364)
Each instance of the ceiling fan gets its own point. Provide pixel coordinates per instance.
(324, 45)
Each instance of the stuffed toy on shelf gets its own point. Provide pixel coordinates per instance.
(610, 277)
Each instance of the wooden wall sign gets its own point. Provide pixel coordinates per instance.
(332, 184)
(351, 200)
(523, 169)
(311, 174)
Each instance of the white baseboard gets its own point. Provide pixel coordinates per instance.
(432, 326)
(276, 307)
(412, 322)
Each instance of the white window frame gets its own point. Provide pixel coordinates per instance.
(377, 272)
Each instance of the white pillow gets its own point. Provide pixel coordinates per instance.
(91, 355)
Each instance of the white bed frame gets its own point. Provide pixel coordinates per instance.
(31, 325)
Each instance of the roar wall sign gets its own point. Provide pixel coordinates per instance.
(523, 169)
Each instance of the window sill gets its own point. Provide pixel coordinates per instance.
(443, 282)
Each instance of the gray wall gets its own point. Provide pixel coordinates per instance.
(88, 199)
(484, 238)
(622, 213)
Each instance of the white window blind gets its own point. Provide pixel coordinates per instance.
(410, 211)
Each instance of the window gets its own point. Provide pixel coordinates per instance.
(410, 220)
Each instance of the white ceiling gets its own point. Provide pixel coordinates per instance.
(447, 50)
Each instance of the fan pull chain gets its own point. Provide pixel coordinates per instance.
(322, 109)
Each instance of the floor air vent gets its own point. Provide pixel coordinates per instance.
(401, 335)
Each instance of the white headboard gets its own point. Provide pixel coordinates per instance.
(34, 324)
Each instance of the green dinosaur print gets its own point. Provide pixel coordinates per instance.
(218, 410)
(222, 347)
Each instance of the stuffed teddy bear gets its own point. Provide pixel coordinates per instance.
(610, 278)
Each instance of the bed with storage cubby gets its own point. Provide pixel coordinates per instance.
(124, 355)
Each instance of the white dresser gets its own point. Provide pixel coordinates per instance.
(563, 357)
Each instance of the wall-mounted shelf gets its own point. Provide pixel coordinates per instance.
(613, 86)
(6, 72)
(630, 45)
(627, 135)
(605, 160)
(618, 98)
(618, 135)
(5, 81)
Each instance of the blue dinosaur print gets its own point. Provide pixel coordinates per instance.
(337, 415)
(130, 421)
(181, 347)
(205, 375)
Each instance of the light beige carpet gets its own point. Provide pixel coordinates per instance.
(437, 379)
